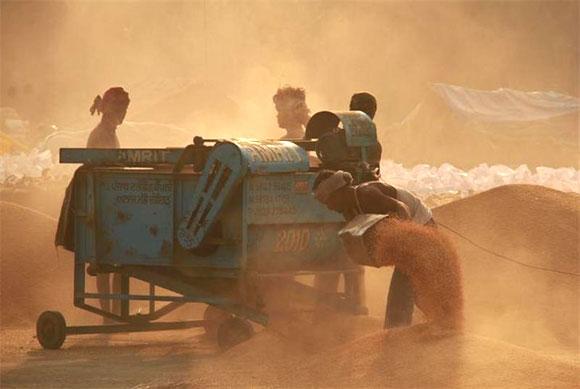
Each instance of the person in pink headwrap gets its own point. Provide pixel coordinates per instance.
(113, 108)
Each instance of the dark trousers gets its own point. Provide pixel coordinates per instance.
(400, 301)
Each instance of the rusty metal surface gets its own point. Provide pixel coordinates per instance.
(227, 165)
(120, 157)
(131, 217)
(250, 210)
(134, 216)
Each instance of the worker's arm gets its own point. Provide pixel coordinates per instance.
(373, 200)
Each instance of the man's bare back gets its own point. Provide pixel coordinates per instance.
(103, 138)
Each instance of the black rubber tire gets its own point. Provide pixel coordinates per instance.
(214, 317)
(233, 332)
(51, 330)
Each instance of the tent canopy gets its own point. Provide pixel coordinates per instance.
(467, 127)
(505, 105)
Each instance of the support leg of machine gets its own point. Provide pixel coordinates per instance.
(79, 284)
(137, 327)
(354, 285)
(152, 300)
(121, 282)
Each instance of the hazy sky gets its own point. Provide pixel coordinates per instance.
(56, 56)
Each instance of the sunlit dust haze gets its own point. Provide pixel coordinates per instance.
(510, 203)
(212, 67)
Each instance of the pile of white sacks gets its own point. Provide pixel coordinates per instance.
(15, 168)
(424, 180)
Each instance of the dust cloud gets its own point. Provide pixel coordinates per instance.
(212, 67)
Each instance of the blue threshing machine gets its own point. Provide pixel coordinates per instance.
(208, 222)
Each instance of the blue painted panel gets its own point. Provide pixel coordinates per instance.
(134, 218)
(223, 171)
(262, 157)
(294, 246)
(359, 129)
(285, 199)
(227, 255)
(131, 216)
(226, 167)
(84, 217)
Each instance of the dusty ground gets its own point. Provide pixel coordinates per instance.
(522, 323)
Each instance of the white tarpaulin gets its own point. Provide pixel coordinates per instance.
(467, 127)
(505, 105)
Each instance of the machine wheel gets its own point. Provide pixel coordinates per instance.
(214, 317)
(51, 330)
(233, 332)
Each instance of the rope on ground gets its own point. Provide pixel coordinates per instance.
(505, 257)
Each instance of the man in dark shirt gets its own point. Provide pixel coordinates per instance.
(335, 190)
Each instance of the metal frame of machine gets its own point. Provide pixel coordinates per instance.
(208, 222)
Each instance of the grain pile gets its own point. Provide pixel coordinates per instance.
(533, 225)
(405, 359)
(522, 323)
(402, 358)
